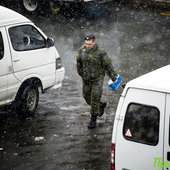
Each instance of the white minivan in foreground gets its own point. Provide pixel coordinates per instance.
(29, 61)
(141, 132)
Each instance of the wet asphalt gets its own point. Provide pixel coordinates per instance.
(136, 38)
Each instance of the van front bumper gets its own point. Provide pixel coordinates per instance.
(59, 78)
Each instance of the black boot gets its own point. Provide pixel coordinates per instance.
(102, 106)
(92, 123)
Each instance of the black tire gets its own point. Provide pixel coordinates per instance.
(34, 6)
(29, 100)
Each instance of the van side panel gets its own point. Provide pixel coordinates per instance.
(167, 134)
(117, 118)
(6, 71)
(3, 70)
(130, 153)
(13, 82)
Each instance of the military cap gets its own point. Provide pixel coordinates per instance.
(89, 37)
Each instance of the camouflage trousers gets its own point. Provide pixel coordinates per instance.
(92, 92)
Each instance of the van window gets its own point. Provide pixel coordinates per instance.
(169, 131)
(1, 47)
(26, 37)
(142, 124)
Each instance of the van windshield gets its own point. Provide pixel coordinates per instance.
(142, 124)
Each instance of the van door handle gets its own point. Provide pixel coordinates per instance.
(119, 117)
(168, 156)
(16, 60)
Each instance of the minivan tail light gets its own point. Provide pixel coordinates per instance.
(113, 157)
(58, 63)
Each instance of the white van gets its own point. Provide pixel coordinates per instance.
(28, 60)
(141, 132)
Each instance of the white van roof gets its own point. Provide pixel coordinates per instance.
(8, 17)
(157, 80)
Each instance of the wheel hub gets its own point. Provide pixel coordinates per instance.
(31, 99)
(30, 5)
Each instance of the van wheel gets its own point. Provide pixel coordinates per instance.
(29, 100)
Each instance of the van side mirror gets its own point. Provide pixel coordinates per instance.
(49, 42)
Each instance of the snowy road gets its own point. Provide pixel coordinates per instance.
(57, 138)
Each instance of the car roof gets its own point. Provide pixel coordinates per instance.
(8, 17)
(157, 80)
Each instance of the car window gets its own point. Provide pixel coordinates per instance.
(169, 131)
(26, 37)
(1, 47)
(142, 124)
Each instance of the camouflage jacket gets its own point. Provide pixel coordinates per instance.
(92, 64)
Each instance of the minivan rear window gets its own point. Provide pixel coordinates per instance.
(142, 124)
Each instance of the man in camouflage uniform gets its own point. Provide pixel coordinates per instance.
(92, 63)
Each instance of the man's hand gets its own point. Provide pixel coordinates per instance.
(115, 81)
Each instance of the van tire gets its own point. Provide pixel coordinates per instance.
(29, 100)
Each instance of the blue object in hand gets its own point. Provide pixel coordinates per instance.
(116, 85)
